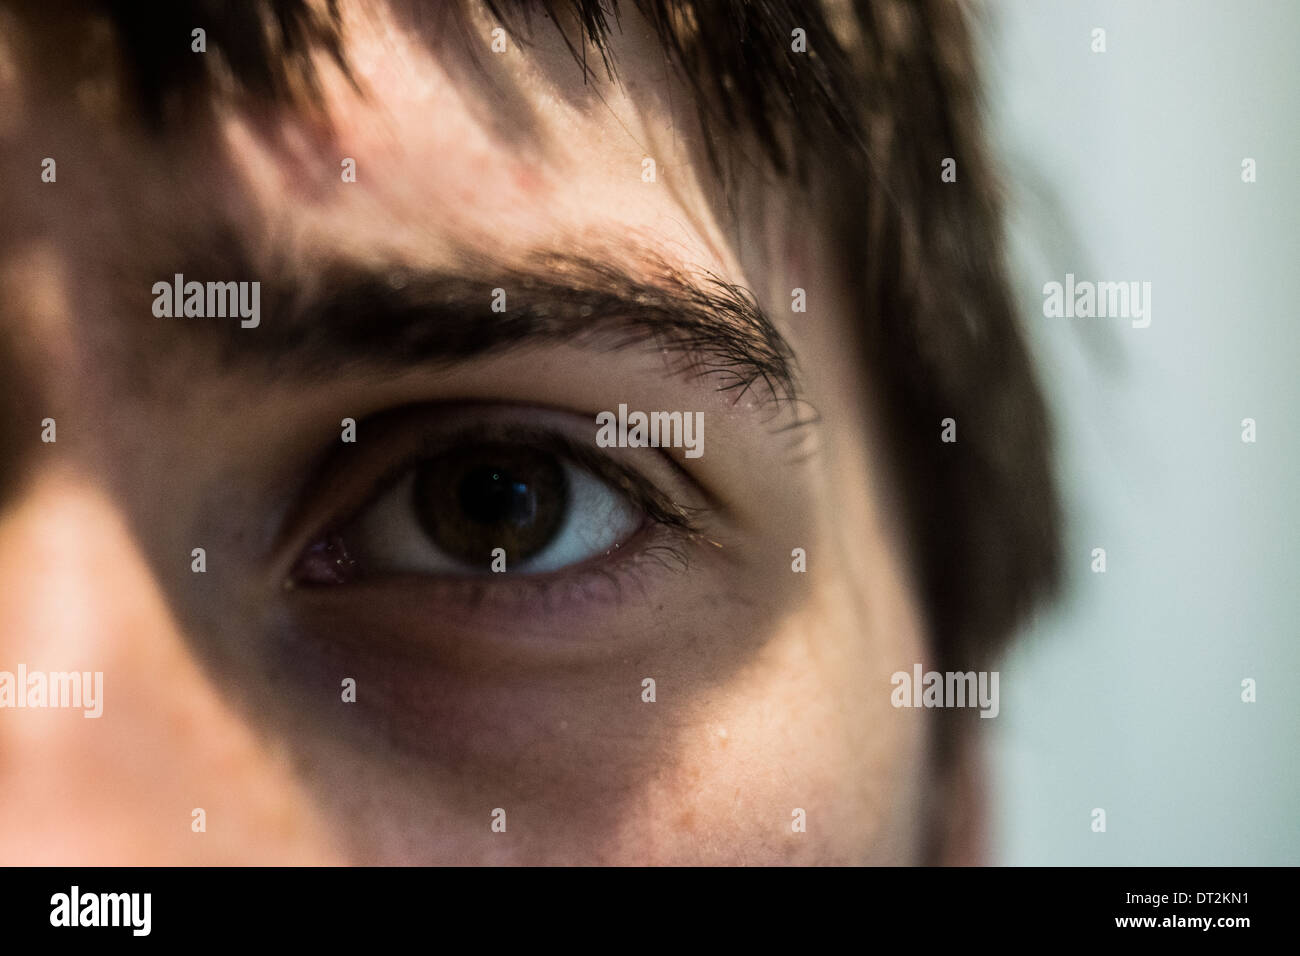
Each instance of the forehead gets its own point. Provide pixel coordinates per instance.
(442, 146)
(462, 151)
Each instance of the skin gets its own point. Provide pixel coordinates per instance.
(222, 690)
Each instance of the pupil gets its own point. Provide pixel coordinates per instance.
(475, 498)
(491, 496)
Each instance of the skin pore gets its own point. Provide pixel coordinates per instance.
(222, 689)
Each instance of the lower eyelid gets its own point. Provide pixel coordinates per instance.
(653, 556)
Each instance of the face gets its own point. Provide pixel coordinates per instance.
(463, 628)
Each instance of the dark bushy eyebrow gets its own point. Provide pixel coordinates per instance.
(353, 314)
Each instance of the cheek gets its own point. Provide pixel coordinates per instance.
(799, 759)
(792, 755)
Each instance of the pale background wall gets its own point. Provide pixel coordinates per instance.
(1126, 165)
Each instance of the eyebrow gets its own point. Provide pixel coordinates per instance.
(347, 314)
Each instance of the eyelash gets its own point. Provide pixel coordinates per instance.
(668, 527)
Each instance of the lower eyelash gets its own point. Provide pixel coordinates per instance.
(668, 551)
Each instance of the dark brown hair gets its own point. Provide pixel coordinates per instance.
(885, 92)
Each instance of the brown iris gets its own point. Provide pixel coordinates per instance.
(474, 498)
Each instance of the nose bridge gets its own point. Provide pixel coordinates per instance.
(122, 786)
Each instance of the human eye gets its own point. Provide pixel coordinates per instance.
(456, 493)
